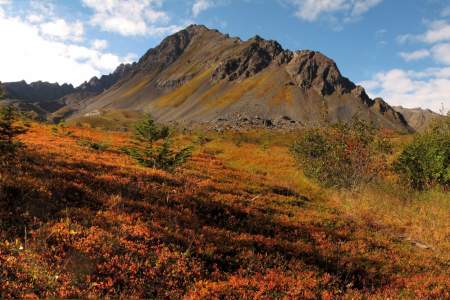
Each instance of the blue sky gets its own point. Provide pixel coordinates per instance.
(397, 49)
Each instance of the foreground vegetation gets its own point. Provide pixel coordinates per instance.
(238, 221)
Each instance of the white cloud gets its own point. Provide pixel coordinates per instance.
(201, 5)
(415, 55)
(426, 89)
(441, 53)
(35, 18)
(99, 44)
(362, 6)
(311, 10)
(59, 29)
(437, 36)
(32, 55)
(3, 3)
(131, 17)
(438, 31)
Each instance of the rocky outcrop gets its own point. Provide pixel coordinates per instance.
(173, 83)
(243, 121)
(311, 69)
(257, 55)
(380, 106)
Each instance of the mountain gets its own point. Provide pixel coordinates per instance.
(418, 118)
(41, 94)
(51, 99)
(73, 102)
(199, 75)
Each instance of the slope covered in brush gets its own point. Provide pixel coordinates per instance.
(239, 221)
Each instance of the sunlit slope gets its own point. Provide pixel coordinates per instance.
(201, 75)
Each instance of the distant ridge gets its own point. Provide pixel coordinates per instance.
(418, 118)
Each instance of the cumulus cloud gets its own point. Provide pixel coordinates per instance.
(363, 6)
(437, 36)
(201, 5)
(441, 53)
(98, 44)
(427, 89)
(312, 10)
(34, 54)
(131, 17)
(415, 55)
(59, 29)
(437, 31)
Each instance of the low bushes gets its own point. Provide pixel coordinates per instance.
(342, 155)
(425, 162)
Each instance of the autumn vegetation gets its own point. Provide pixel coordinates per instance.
(425, 163)
(242, 218)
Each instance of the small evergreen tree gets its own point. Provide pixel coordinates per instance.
(153, 147)
(9, 130)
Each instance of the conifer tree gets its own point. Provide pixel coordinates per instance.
(9, 130)
(154, 149)
(2, 92)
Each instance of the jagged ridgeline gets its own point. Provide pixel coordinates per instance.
(200, 75)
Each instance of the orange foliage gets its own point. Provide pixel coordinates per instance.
(79, 223)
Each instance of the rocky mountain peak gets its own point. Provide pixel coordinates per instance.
(156, 59)
(255, 55)
(198, 29)
(312, 69)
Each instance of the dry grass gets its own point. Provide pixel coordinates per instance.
(238, 222)
(184, 92)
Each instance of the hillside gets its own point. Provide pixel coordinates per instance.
(201, 75)
(418, 118)
(238, 222)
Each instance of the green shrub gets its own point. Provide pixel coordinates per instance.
(153, 147)
(61, 129)
(425, 162)
(9, 130)
(342, 155)
(2, 92)
(97, 146)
